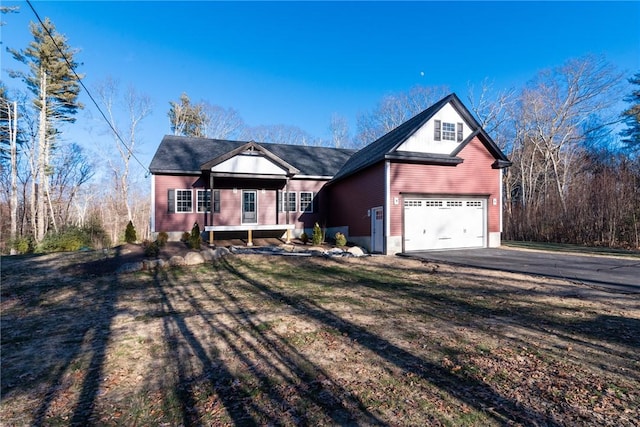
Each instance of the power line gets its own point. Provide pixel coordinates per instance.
(104, 116)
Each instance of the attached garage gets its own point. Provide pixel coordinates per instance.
(444, 223)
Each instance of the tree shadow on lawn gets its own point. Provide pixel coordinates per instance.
(57, 332)
(283, 384)
(474, 393)
(519, 303)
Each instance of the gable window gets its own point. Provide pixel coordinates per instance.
(287, 201)
(306, 201)
(184, 202)
(448, 131)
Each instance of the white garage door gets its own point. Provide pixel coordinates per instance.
(444, 223)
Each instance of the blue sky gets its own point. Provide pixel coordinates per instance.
(297, 63)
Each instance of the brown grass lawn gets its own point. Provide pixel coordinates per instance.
(267, 340)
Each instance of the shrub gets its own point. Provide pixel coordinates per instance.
(317, 236)
(130, 233)
(23, 245)
(195, 239)
(341, 239)
(163, 238)
(67, 239)
(185, 237)
(151, 249)
(304, 238)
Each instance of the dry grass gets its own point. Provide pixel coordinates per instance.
(257, 340)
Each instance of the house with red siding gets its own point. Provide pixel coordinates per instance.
(433, 183)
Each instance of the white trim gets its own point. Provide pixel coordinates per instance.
(501, 197)
(310, 202)
(175, 197)
(246, 227)
(198, 190)
(387, 205)
(152, 224)
(242, 207)
(316, 177)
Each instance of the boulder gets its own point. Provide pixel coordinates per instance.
(152, 264)
(193, 258)
(176, 260)
(356, 251)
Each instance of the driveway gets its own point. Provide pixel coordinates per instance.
(614, 274)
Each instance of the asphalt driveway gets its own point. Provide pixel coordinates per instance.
(616, 274)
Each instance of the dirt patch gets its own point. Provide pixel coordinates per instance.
(265, 340)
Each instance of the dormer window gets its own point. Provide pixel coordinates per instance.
(445, 131)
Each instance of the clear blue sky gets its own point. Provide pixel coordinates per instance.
(296, 63)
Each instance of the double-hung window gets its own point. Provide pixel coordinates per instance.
(448, 131)
(184, 202)
(287, 202)
(306, 201)
(204, 200)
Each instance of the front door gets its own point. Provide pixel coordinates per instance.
(249, 207)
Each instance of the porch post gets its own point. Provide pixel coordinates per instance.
(250, 237)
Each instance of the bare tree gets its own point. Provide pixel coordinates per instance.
(221, 123)
(339, 128)
(281, 134)
(395, 109)
(125, 112)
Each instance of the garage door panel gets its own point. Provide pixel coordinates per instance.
(444, 223)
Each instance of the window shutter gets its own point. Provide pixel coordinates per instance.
(314, 202)
(216, 201)
(459, 132)
(279, 201)
(437, 130)
(171, 200)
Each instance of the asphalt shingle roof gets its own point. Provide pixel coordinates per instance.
(180, 154)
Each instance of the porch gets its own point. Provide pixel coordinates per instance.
(249, 229)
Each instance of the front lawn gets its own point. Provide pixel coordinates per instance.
(264, 340)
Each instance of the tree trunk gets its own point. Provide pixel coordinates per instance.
(41, 210)
(13, 134)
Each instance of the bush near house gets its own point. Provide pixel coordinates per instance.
(341, 239)
(195, 240)
(317, 236)
(130, 233)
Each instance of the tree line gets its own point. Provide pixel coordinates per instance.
(575, 176)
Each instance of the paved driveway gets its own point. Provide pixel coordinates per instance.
(615, 274)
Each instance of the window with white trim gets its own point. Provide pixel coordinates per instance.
(184, 201)
(448, 131)
(203, 198)
(306, 201)
(286, 201)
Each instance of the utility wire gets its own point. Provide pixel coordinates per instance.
(104, 116)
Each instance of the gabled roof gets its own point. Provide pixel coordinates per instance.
(188, 155)
(253, 147)
(385, 146)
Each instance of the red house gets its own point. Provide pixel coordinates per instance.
(434, 182)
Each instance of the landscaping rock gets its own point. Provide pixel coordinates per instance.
(193, 258)
(356, 251)
(129, 268)
(221, 252)
(153, 264)
(176, 260)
